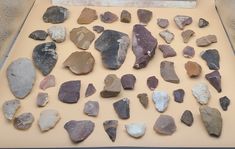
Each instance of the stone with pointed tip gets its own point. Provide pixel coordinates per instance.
(214, 79)
(187, 34)
(79, 130)
(112, 86)
(10, 108)
(90, 90)
(143, 46)
(144, 16)
(122, 109)
(202, 23)
(110, 127)
(55, 14)
(212, 58)
(108, 17)
(167, 36)
(87, 16)
(168, 72)
(161, 100)
(143, 98)
(224, 103)
(165, 125)
(201, 93)
(182, 20)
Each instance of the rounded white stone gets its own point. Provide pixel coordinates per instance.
(201, 93)
(161, 100)
(136, 130)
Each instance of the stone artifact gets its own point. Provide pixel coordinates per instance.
(90, 90)
(212, 120)
(181, 21)
(144, 100)
(108, 17)
(42, 99)
(23, 121)
(167, 36)
(79, 130)
(112, 86)
(163, 23)
(187, 34)
(38, 35)
(188, 52)
(48, 119)
(167, 50)
(144, 16)
(47, 82)
(80, 63)
(161, 100)
(201, 93)
(143, 46)
(212, 58)
(70, 91)
(110, 127)
(45, 57)
(21, 77)
(125, 16)
(168, 72)
(224, 103)
(165, 125)
(136, 130)
(98, 29)
(122, 109)
(57, 33)
(91, 108)
(202, 23)
(82, 37)
(214, 79)
(10, 107)
(152, 82)
(113, 46)
(87, 16)
(193, 69)
(206, 40)
(128, 81)
(55, 15)
(187, 118)
(179, 95)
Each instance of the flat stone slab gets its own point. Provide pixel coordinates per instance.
(21, 77)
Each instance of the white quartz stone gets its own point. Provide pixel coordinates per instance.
(161, 100)
(57, 33)
(201, 93)
(136, 130)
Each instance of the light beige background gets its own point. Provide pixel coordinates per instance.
(184, 136)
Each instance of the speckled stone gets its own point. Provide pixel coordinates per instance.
(55, 14)
(38, 35)
(201, 93)
(202, 23)
(161, 100)
(23, 121)
(136, 130)
(224, 103)
(57, 33)
(167, 36)
(214, 79)
(125, 16)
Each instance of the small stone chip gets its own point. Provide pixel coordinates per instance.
(47, 82)
(128, 81)
(125, 16)
(144, 16)
(57, 33)
(38, 35)
(179, 95)
(187, 34)
(122, 109)
(182, 20)
(167, 51)
(110, 127)
(168, 72)
(187, 118)
(201, 93)
(55, 15)
(214, 79)
(10, 108)
(48, 119)
(206, 40)
(87, 16)
(42, 99)
(112, 86)
(202, 23)
(152, 82)
(165, 125)
(23, 121)
(98, 29)
(163, 23)
(90, 90)
(167, 36)
(193, 69)
(144, 100)
(188, 52)
(91, 108)
(224, 103)
(161, 100)
(108, 17)
(136, 130)
(212, 58)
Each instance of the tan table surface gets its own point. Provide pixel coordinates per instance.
(184, 136)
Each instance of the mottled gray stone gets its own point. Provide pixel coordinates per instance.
(91, 108)
(70, 91)
(125, 16)
(152, 82)
(212, 120)
(42, 99)
(187, 34)
(38, 35)
(144, 16)
(202, 23)
(113, 46)
(57, 33)
(206, 40)
(214, 79)
(112, 86)
(165, 125)
(161, 100)
(10, 107)
(82, 37)
(108, 17)
(201, 93)
(136, 130)
(167, 36)
(110, 127)
(163, 23)
(79, 130)
(187, 118)
(128, 81)
(21, 77)
(55, 14)
(224, 103)
(122, 109)
(90, 90)
(48, 119)
(167, 50)
(168, 72)
(143, 46)
(45, 57)
(188, 52)
(23, 121)
(212, 58)
(182, 20)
